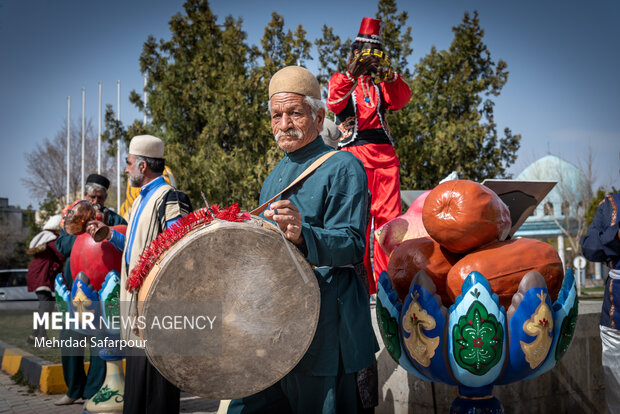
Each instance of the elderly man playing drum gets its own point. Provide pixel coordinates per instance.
(325, 217)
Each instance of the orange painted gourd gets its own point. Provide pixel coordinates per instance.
(463, 215)
(414, 255)
(503, 264)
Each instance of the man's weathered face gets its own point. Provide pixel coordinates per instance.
(96, 197)
(132, 169)
(291, 121)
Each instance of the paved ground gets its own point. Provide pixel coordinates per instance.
(16, 399)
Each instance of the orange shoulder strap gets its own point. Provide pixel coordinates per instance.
(316, 164)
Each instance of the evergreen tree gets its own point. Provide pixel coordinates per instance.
(333, 54)
(14, 243)
(280, 48)
(396, 35)
(448, 125)
(207, 99)
(48, 207)
(30, 222)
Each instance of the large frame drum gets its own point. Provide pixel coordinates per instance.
(269, 308)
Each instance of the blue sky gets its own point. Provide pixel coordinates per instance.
(561, 96)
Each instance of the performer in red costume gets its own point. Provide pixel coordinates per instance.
(359, 98)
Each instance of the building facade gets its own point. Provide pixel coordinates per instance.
(560, 215)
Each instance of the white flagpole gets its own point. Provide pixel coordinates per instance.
(118, 149)
(145, 75)
(68, 148)
(99, 135)
(83, 145)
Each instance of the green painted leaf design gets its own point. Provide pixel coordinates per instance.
(112, 302)
(61, 304)
(104, 394)
(388, 326)
(567, 331)
(477, 340)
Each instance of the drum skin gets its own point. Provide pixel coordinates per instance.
(463, 215)
(504, 263)
(414, 255)
(269, 310)
(96, 260)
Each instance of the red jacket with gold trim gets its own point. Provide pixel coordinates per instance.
(360, 105)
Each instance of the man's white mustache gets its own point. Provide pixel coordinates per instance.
(288, 133)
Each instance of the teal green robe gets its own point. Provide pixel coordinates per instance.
(333, 203)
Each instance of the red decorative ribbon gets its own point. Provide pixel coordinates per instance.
(176, 232)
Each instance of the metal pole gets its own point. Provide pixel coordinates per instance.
(99, 135)
(68, 148)
(83, 126)
(561, 251)
(118, 149)
(145, 75)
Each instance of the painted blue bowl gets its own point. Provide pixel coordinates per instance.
(476, 343)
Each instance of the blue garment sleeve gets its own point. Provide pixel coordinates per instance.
(171, 222)
(118, 240)
(341, 240)
(601, 243)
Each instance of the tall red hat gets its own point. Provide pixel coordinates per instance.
(370, 31)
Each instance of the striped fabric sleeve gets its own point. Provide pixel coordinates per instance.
(175, 204)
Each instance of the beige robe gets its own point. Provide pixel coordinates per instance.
(145, 231)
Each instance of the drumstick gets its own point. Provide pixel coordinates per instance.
(207, 204)
(290, 252)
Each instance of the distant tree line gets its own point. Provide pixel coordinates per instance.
(207, 98)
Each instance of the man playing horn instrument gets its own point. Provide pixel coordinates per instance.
(360, 98)
(325, 217)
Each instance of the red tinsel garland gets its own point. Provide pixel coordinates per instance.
(176, 232)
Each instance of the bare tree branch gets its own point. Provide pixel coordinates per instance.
(573, 192)
(47, 162)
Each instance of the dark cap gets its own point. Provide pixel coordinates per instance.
(98, 179)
